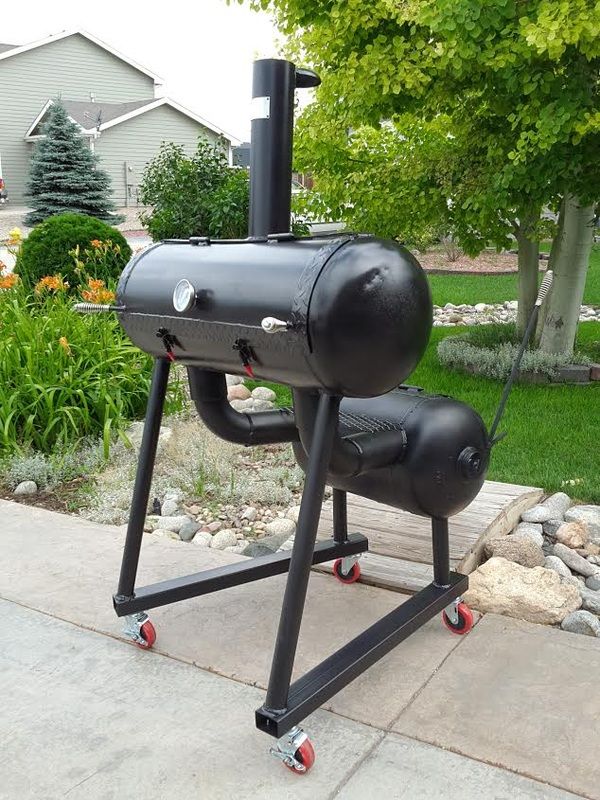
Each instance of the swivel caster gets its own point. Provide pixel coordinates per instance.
(140, 630)
(346, 570)
(295, 750)
(458, 617)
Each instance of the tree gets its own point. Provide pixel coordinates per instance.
(518, 82)
(64, 176)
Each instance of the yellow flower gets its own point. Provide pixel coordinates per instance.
(15, 235)
(65, 344)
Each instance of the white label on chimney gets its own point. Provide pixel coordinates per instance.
(260, 108)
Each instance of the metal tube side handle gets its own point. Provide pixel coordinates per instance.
(545, 287)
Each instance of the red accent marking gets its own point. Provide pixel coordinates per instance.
(248, 370)
(170, 356)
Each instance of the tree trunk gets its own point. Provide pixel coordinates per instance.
(570, 270)
(529, 265)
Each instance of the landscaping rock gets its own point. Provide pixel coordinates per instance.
(581, 622)
(242, 405)
(590, 600)
(573, 534)
(264, 393)
(292, 513)
(555, 563)
(250, 513)
(262, 405)
(215, 526)
(536, 595)
(223, 539)
(26, 487)
(238, 392)
(202, 539)
(552, 525)
(188, 531)
(589, 514)
(257, 549)
(530, 530)
(519, 549)
(169, 508)
(576, 562)
(173, 524)
(282, 526)
(594, 560)
(234, 380)
(593, 583)
(558, 503)
(538, 513)
(237, 548)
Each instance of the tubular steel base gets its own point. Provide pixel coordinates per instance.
(330, 676)
(213, 580)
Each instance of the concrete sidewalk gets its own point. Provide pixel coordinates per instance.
(84, 714)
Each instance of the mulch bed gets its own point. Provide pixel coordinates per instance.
(487, 263)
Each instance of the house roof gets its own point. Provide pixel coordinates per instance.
(97, 117)
(4, 47)
(16, 50)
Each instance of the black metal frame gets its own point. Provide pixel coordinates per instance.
(286, 704)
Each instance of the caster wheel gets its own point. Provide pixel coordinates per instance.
(465, 620)
(351, 577)
(148, 634)
(305, 758)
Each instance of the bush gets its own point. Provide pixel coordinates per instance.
(48, 250)
(64, 376)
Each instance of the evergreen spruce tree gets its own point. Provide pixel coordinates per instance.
(64, 176)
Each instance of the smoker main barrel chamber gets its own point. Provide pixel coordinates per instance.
(343, 321)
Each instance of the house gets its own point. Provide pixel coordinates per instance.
(112, 99)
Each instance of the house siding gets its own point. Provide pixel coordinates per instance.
(138, 140)
(73, 67)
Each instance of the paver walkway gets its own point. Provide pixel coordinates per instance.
(86, 715)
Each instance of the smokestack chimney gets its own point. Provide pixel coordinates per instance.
(273, 84)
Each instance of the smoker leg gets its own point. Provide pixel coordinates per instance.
(340, 516)
(302, 553)
(441, 552)
(346, 569)
(138, 626)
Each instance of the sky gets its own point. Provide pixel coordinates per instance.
(203, 50)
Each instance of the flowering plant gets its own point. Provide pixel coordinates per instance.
(96, 292)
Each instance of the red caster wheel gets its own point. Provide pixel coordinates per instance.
(140, 630)
(147, 635)
(304, 758)
(295, 750)
(351, 577)
(464, 621)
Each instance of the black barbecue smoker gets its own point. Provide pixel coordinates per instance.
(343, 320)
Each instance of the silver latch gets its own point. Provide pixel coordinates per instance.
(273, 325)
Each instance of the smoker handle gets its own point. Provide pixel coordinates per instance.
(354, 454)
(209, 393)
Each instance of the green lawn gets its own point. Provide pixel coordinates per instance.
(473, 289)
(552, 430)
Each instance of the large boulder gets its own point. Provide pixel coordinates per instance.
(536, 595)
(519, 549)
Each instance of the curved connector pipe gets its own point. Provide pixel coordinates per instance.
(209, 393)
(351, 455)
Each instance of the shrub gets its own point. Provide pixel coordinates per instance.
(74, 246)
(64, 376)
(491, 351)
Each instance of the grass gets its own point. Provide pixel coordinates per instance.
(473, 289)
(552, 430)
